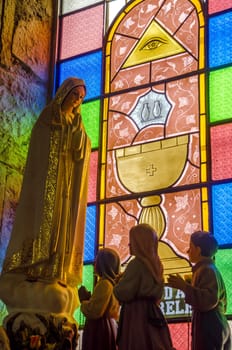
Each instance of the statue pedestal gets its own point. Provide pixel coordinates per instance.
(39, 312)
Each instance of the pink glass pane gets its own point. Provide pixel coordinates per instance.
(92, 177)
(82, 32)
(221, 155)
(217, 6)
(181, 335)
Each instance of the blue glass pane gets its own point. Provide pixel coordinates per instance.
(90, 231)
(220, 39)
(87, 67)
(222, 209)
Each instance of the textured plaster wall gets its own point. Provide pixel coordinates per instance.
(25, 57)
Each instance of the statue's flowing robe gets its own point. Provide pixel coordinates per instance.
(48, 233)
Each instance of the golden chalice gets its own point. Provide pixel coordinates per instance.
(155, 166)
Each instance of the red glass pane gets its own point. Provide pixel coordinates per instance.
(92, 177)
(81, 32)
(221, 156)
(181, 335)
(217, 6)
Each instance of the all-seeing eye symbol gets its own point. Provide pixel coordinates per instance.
(153, 43)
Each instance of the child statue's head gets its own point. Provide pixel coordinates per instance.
(206, 242)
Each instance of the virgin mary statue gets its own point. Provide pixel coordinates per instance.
(48, 232)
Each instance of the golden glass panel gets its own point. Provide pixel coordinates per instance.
(142, 169)
(155, 43)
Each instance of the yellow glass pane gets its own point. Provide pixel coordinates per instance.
(202, 93)
(203, 172)
(205, 217)
(202, 48)
(104, 134)
(102, 181)
(101, 225)
(107, 75)
(105, 108)
(203, 138)
(204, 194)
(205, 209)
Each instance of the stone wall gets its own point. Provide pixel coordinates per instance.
(26, 57)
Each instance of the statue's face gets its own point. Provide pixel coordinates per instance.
(77, 96)
(74, 99)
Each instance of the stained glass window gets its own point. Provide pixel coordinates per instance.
(158, 112)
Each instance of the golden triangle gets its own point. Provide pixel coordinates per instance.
(155, 44)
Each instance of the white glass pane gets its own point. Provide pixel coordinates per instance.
(73, 5)
(113, 8)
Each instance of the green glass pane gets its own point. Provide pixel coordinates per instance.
(88, 282)
(90, 112)
(223, 262)
(220, 90)
(3, 312)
